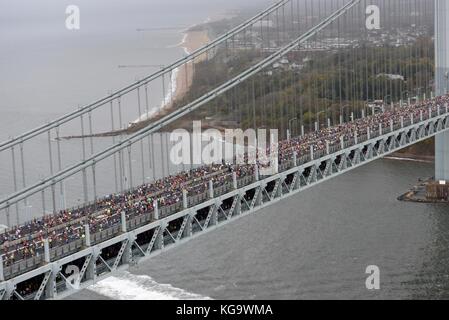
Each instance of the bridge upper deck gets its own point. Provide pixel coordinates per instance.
(23, 246)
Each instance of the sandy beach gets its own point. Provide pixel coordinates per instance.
(193, 40)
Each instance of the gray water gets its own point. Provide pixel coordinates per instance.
(47, 71)
(314, 245)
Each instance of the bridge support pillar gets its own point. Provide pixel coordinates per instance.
(184, 199)
(442, 156)
(156, 210)
(123, 221)
(46, 251)
(87, 234)
(234, 180)
(442, 83)
(211, 189)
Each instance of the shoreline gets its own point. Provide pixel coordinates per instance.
(194, 37)
(418, 194)
(181, 78)
(398, 156)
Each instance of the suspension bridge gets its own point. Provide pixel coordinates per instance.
(312, 69)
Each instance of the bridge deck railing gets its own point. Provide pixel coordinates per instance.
(136, 219)
(61, 249)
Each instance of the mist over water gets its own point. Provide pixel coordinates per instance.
(47, 70)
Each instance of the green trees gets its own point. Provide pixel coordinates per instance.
(312, 86)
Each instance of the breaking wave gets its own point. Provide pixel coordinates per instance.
(127, 286)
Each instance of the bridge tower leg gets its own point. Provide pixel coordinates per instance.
(442, 83)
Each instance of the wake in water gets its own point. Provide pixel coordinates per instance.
(127, 286)
(407, 159)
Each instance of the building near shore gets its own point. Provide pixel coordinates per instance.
(438, 190)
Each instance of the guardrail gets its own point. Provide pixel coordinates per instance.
(138, 220)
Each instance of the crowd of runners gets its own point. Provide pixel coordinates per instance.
(26, 240)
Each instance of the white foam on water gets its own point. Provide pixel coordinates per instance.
(180, 44)
(127, 286)
(407, 159)
(171, 90)
(172, 87)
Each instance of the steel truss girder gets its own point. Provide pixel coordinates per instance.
(296, 181)
(185, 221)
(153, 240)
(212, 212)
(305, 172)
(257, 197)
(120, 254)
(42, 286)
(235, 202)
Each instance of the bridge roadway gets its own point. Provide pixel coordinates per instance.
(232, 192)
